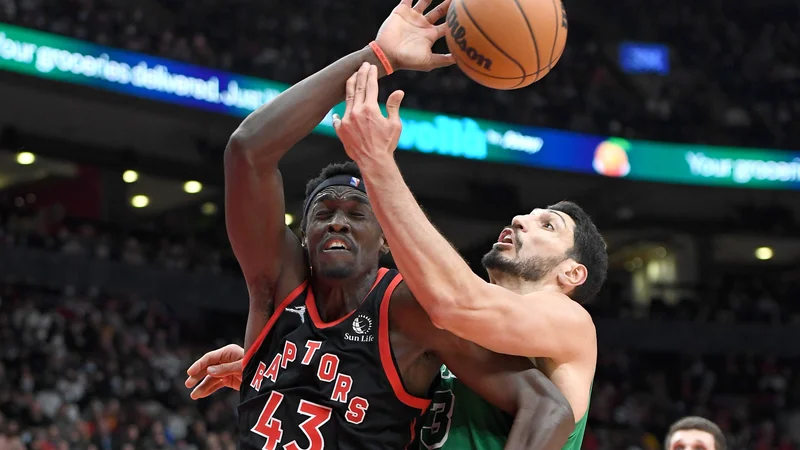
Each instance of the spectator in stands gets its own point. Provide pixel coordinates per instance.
(695, 433)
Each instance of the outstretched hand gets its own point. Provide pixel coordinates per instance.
(407, 35)
(217, 369)
(365, 133)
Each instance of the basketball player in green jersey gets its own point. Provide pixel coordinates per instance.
(542, 267)
(459, 419)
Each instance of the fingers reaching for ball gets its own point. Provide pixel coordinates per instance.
(421, 6)
(438, 12)
(364, 131)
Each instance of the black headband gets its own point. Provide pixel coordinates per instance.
(338, 180)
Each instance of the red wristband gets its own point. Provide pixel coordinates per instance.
(387, 66)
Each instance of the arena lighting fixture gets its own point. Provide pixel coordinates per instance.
(289, 219)
(25, 158)
(192, 187)
(208, 208)
(130, 176)
(764, 253)
(140, 201)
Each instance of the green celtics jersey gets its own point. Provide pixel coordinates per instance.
(458, 419)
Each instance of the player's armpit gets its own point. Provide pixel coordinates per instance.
(266, 249)
(254, 218)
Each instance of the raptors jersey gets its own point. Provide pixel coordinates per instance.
(312, 385)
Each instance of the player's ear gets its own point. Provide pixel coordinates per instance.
(384, 246)
(573, 275)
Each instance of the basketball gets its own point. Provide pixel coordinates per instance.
(506, 44)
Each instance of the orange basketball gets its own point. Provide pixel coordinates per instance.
(506, 44)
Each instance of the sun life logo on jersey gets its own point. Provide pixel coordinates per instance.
(362, 325)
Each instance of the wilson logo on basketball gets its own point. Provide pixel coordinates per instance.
(362, 325)
(459, 35)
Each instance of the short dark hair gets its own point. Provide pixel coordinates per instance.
(331, 170)
(698, 423)
(588, 249)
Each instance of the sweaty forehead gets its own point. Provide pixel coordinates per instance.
(345, 193)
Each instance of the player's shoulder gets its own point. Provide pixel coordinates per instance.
(402, 295)
(573, 321)
(404, 307)
(566, 306)
(387, 286)
(405, 312)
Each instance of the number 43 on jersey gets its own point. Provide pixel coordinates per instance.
(269, 427)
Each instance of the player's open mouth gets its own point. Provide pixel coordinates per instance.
(335, 245)
(505, 240)
(506, 237)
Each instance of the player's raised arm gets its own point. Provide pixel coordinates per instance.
(254, 204)
(454, 297)
(254, 200)
(528, 316)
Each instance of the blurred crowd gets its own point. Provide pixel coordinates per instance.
(763, 297)
(85, 372)
(735, 66)
(754, 399)
(734, 69)
(766, 298)
(48, 228)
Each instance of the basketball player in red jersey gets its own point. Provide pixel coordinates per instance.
(339, 355)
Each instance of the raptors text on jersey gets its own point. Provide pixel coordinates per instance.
(312, 385)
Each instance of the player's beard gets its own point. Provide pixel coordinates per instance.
(531, 269)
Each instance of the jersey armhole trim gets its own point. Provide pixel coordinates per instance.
(580, 425)
(271, 322)
(385, 350)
